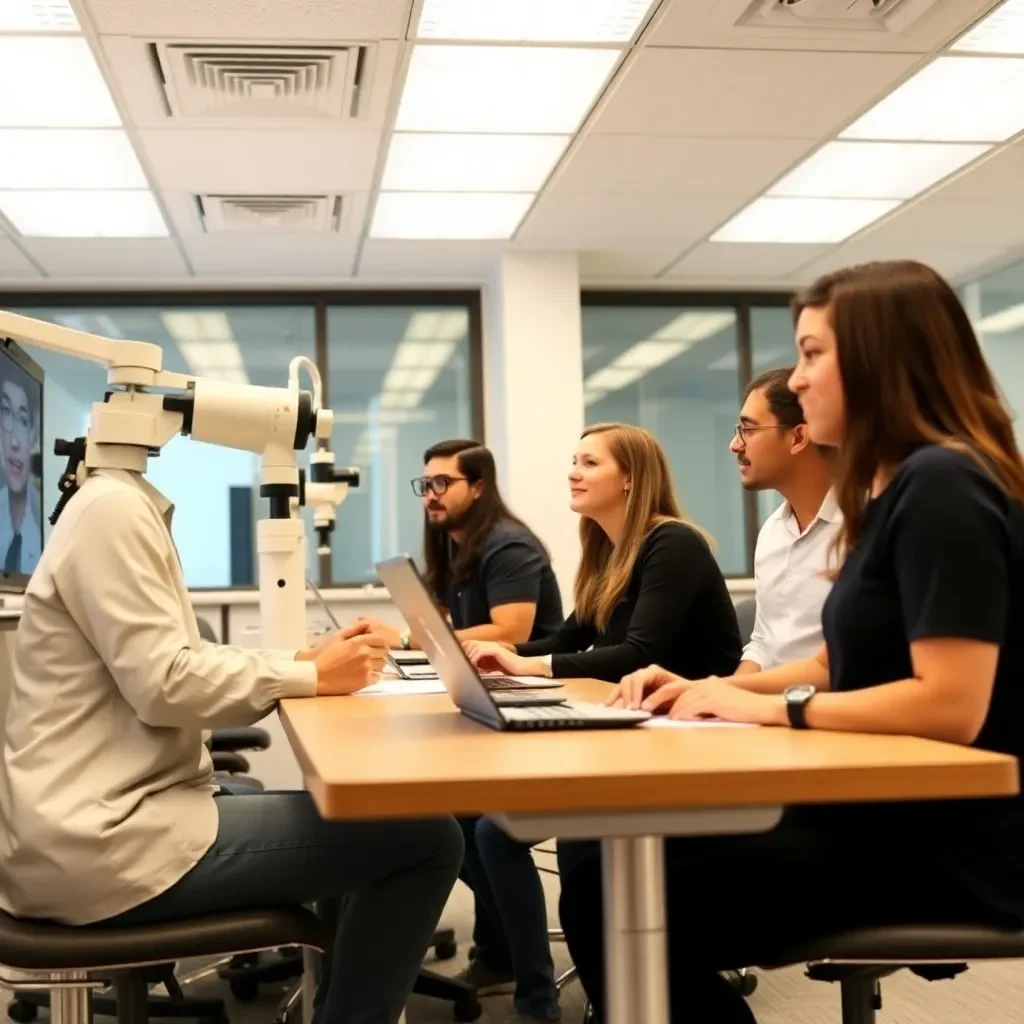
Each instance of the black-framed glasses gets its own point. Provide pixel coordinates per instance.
(11, 424)
(422, 485)
(741, 430)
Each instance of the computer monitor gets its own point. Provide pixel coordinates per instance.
(21, 466)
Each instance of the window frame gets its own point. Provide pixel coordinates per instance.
(318, 300)
(742, 302)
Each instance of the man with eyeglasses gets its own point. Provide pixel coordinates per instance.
(791, 560)
(20, 536)
(483, 564)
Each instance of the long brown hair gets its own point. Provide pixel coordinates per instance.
(476, 464)
(605, 569)
(913, 374)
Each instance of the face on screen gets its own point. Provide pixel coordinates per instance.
(17, 434)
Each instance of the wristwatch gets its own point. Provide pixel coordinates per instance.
(797, 698)
(405, 639)
(546, 661)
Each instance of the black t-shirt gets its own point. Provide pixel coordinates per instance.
(513, 568)
(676, 613)
(941, 554)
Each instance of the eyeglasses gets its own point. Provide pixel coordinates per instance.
(741, 430)
(422, 485)
(10, 424)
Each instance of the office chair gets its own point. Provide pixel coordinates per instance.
(122, 963)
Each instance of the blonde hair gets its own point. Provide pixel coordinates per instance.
(605, 569)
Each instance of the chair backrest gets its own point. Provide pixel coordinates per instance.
(206, 630)
(746, 609)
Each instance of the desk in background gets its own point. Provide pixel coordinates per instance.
(405, 757)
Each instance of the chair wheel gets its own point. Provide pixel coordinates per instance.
(446, 950)
(748, 984)
(23, 1012)
(245, 990)
(466, 1010)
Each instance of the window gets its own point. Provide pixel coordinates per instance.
(399, 380)
(215, 490)
(674, 370)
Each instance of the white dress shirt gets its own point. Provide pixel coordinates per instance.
(106, 787)
(790, 584)
(30, 534)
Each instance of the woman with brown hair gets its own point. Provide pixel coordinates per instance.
(922, 637)
(647, 589)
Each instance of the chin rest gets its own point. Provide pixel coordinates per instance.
(249, 738)
(44, 946)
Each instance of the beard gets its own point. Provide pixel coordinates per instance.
(452, 520)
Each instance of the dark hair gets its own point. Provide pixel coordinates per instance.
(476, 464)
(913, 374)
(782, 401)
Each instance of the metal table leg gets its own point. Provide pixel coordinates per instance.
(636, 951)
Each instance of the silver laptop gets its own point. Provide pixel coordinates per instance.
(465, 686)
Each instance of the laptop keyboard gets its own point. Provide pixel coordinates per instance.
(504, 683)
(575, 712)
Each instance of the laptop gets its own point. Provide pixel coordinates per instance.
(466, 687)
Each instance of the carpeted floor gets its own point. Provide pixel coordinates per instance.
(988, 994)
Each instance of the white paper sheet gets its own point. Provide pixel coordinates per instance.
(661, 722)
(402, 687)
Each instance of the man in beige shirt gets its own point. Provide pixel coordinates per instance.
(108, 807)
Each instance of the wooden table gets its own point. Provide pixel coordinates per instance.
(415, 756)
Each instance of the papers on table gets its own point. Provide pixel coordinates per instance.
(661, 722)
(402, 687)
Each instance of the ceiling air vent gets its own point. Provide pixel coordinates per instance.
(280, 214)
(849, 15)
(203, 80)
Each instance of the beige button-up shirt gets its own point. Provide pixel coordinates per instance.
(106, 787)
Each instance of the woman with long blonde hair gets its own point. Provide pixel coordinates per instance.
(648, 590)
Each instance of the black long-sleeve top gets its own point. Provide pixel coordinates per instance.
(676, 613)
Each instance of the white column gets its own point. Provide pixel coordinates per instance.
(533, 394)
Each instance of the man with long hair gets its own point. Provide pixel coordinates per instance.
(483, 564)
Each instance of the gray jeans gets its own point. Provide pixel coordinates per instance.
(380, 887)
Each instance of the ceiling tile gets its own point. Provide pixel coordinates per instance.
(251, 19)
(271, 256)
(595, 265)
(261, 162)
(683, 166)
(745, 93)
(399, 258)
(13, 262)
(713, 23)
(619, 222)
(958, 263)
(957, 222)
(724, 262)
(1000, 177)
(108, 257)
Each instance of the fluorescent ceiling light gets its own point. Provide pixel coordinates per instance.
(952, 99)
(209, 357)
(423, 354)
(206, 328)
(52, 82)
(399, 379)
(646, 355)
(77, 214)
(501, 89)
(694, 327)
(876, 170)
(533, 21)
(69, 158)
(612, 378)
(400, 399)
(1003, 322)
(207, 344)
(774, 219)
(37, 15)
(1001, 32)
(590, 397)
(471, 163)
(444, 325)
(467, 215)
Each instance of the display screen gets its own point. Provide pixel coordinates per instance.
(21, 484)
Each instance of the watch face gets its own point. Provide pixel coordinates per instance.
(799, 693)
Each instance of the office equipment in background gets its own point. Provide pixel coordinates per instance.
(467, 689)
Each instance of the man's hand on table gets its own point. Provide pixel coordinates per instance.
(348, 660)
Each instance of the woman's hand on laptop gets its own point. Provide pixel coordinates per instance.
(347, 664)
(491, 656)
(651, 688)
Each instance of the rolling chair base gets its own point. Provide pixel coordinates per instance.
(24, 1008)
